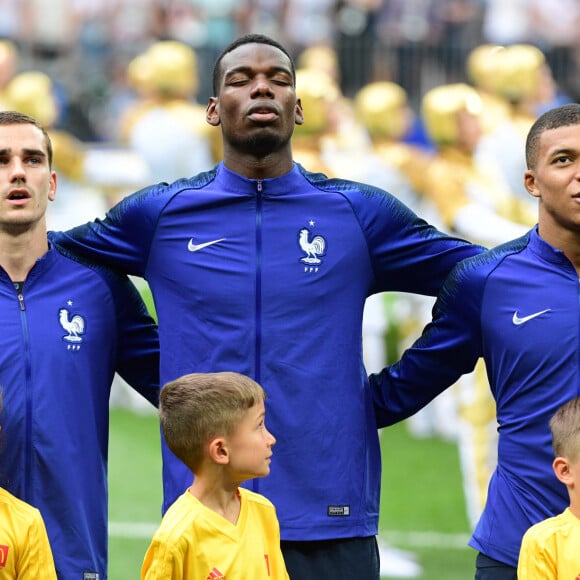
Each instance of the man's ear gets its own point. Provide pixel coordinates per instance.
(52, 187)
(299, 113)
(530, 183)
(218, 451)
(212, 113)
(561, 468)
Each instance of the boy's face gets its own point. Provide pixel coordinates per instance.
(574, 489)
(250, 445)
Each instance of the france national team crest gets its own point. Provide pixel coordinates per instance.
(313, 246)
(73, 325)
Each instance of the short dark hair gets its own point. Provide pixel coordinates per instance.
(565, 428)
(17, 118)
(242, 40)
(563, 116)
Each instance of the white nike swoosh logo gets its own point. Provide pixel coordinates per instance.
(517, 320)
(195, 247)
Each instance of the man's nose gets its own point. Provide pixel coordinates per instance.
(17, 169)
(262, 86)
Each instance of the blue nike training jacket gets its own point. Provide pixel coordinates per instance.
(64, 334)
(517, 306)
(269, 278)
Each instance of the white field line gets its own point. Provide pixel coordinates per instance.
(133, 530)
(426, 539)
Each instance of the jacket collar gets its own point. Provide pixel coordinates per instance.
(546, 251)
(237, 183)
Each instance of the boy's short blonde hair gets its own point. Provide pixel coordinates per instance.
(565, 428)
(197, 407)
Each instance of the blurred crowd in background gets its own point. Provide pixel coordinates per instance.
(86, 46)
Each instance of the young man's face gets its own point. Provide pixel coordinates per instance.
(555, 180)
(256, 104)
(26, 181)
(250, 445)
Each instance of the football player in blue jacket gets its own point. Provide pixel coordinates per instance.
(67, 327)
(261, 267)
(517, 307)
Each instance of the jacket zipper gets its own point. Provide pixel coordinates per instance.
(255, 484)
(28, 395)
(258, 284)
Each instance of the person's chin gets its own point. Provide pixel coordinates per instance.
(263, 142)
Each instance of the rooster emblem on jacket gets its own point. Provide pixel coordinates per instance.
(312, 248)
(74, 326)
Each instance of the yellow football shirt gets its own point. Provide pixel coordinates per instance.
(25, 552)
(195, 542)
(551, 549)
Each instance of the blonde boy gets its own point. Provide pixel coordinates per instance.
(214, 423)
(551, 548)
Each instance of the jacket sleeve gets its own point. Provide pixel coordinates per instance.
(448, 348)
(138, 340)
(407, 253)
(123, 238)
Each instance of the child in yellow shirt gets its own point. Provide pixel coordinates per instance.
(551, 548)
(214, 423)
(25, 552)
